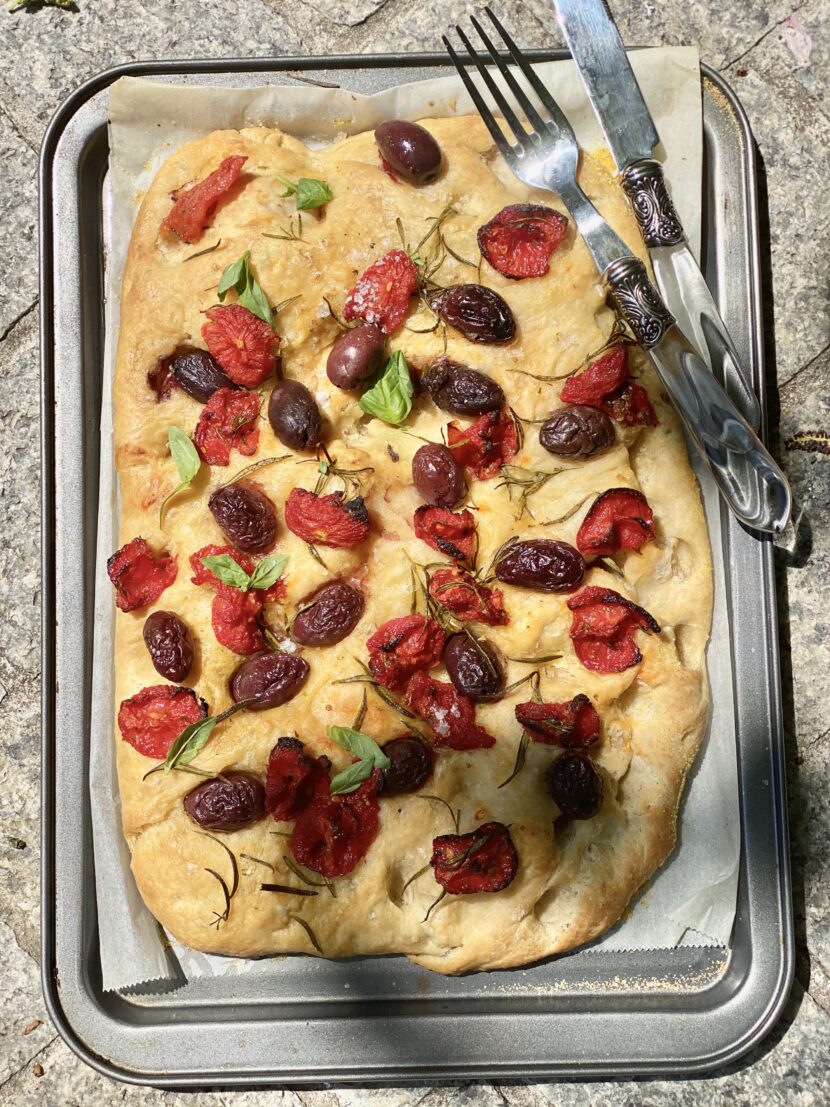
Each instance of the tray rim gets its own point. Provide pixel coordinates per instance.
(766, 1017)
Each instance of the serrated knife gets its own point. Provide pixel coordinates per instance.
(612, 88)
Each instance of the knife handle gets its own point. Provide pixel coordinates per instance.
(745, 473)
(682, 283)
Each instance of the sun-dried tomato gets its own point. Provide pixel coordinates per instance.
(450, 532)
(603, 628)
(193, 207)
(243, 344)
(153, 718)
(520, 241)
(468, 600)
(334, 832)
(605, 384)
(382, 294)
(138, 575)
(293, 779)
(483, 861)
(400, 647)
(228, 421)
(572, 725)
(326, 520)
(485, 446)
(619, 519)
(234, 616)
(451, 715)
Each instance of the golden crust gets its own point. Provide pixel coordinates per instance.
(570, 886)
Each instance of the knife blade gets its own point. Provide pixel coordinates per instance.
(599, 53)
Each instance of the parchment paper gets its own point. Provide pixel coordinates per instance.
(692, 899)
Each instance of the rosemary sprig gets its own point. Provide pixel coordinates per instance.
(288, 889)
(527, 482)
(454, 815)
(312, 937)
(243, 474)
(415, 876)
(297, 871)
(259, 861)
(434, 904)
(288, 233)
(201, 253)
(571, 512)
(229, 893)
(521, 755)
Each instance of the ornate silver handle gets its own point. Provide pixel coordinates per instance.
(646, 187)
(747, 476)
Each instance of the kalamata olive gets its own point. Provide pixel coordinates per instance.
(328, 615)
(438, 476)
(577, 431)
(473, 667)
(478, 312)
(246, 515)
(271, 679)
(461, 390)
(543, 565)
(411, 766)
(170, 644)
(356, 355)
(575, 785)
(199, 375)
(409, 150)
(227, 802)
(294, 416)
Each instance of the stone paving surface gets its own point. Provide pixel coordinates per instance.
(776, 56)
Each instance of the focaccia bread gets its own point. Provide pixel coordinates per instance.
(628, 677)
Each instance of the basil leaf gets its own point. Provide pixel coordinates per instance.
(351, 778)
(233, 276)
(227, 570)
(312, 194)
(268, 571)
(238, 276)
(390, 396)
(187, 461)
(254, 299)
(290, 187)
(189, 742)
(363, 747)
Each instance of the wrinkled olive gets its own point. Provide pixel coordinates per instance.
(228, 802)
(356, 355)
(460, 390)
(577, 431)
(246, 515)
(294, 416)
(438, 476)
(478, 312)
(411, 766)
(271, 679)
(199, 375)
(542, 564)
(473, 667)
(575, 785)
(409, 150)
(170, 644)
(328, 615)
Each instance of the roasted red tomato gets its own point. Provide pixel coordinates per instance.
(333, 833)
(293, 780)
(228, 421)
(243, 344)
(468, 600)
(139, 577)
(153, 718)
(485, 446)
(450, 532)
(400, 647)
(571, 725)
(234, 616)
(193, 207)
(483, 861)
(603, 628)
(631, 406)
(162, 379)
(619, 519)
(326, 520)
(451, 715)
(605, 384)
(382, 294)
(521, 239)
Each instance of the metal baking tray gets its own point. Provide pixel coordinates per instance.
(383, 1020)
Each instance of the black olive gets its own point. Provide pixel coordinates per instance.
(577, 431)
(246, 515)
(460, 390)
(575, 785)
(170, 644)
(356, 355)
(294, 416)
(409, 150)
(328, 615)
(542, 564)
(411, 766)
(473, 667)
(199, 374)
(271, 679)
(478, 312)
(228, 802)
(438, 476)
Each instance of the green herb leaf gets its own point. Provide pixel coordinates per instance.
(228, 571)
(238, 276)
(268, 571)
(187, 460)
(190, 741)
(390, 396)
(370, 755)
(310, 193)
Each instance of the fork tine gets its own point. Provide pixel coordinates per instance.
(524, 102)
(487, 116)
(502, 102)
(558, 118)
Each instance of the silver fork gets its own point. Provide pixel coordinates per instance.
(544, 153)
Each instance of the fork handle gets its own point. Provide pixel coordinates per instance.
(747, 476)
